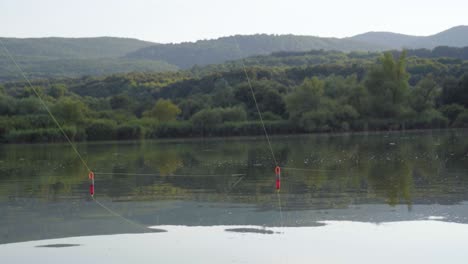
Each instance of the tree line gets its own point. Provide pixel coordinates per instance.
(350, 92)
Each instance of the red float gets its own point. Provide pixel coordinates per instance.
(91, 185)
(91, 189)
(278, 177)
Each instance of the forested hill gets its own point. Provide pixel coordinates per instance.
(74, 57)
(453, 37)
(73, 48)
(214, 51)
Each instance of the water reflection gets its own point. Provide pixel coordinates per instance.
(366, 177)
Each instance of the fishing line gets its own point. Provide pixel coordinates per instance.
(145, 228)
(23, 74)
(318, 170)
(170, 175)
(277, 168)
(44, 105)
(255, 101)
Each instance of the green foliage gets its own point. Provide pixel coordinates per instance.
(57, 90)
(29, 105)
(232, 114)
(388, 87)
(305, 98)
(127, 131)
(462, 120)
(70, 111)
(206, 119)
(451, 111)
(164, 111)
(456, 91)
(101, 130)
(43, 135)
(422, 97)
(348, 92)
(120, 101)
(7, 105)
(428, 119)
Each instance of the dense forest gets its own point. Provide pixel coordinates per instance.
(304, 92)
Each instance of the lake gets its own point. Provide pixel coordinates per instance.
(344, 198)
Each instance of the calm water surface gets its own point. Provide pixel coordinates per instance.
(404, 191)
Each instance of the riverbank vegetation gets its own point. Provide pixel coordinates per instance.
(303, 92)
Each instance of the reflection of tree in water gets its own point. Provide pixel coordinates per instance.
(166, 161)
(345, 169)
(393, 180)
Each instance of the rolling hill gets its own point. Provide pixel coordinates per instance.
(79, 48)
(453, 37)
(204, 52)
(73, 57)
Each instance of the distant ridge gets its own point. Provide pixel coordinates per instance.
(79, 48)
(453, 37)
(72, 57)
(214, 51)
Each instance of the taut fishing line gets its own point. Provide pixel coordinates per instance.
(277, 168)
(91, 174)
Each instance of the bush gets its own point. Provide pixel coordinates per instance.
(125, 132)
(451, 111)
(29, 105)
(101, 130)
(205, 120)
(7, 105)
(269, 116)
(232, 114)
(170, 129)
(462, 120)
(43, 135)
(428, 119)
(316, 121)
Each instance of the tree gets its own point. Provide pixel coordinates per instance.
(7, 105)
(120, 101)
(387, 84)
(305, 98)
(57, 90)
(456, 91)
(70, 111)
(207, 118)
(451, 111)
(232, 114)
(422, 97)
(163, 111)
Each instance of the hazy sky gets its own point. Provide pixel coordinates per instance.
(188, 20)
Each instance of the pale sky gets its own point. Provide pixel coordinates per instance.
(189, 20)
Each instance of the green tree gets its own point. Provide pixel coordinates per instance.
(305, 98)
(57, 90)
(451, 111)
(422, 97)
(206, 119)
(70, 111)
(387, 84)
(163, 111)
(7, 105)
(120, 101)
(456, 91)
(232, 114)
